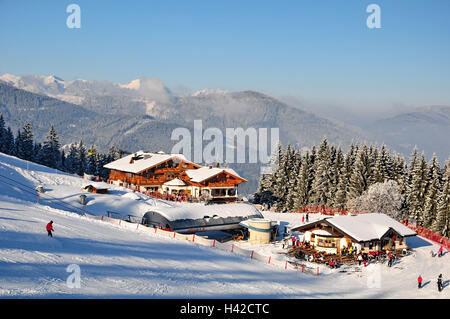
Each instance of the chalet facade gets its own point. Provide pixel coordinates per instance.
(365, 233)
(174, 174)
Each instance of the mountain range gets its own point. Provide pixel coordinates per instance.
(143, 113)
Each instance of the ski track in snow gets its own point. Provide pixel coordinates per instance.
(121, 263)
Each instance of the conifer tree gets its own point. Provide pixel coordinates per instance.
(441, 224)
(27, 143)
(359, 179)
(2, 134)
(82, 154)
(50, 148)
(72, 159)
(322, 167)
(432, 193)
(91, 161)
(281, 187)
(311, 174)
(301, 199)
(416, 193)
(8, 142)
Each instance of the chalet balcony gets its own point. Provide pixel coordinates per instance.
(168, 170)
(221, 184)
(228, 192)
(140, 180)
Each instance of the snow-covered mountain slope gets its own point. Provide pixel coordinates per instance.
(427, 127)
(216, 107)
(117, 262)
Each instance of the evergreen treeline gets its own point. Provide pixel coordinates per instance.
(327, 177)
(78, 160)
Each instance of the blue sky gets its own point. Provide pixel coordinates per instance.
(317, 50)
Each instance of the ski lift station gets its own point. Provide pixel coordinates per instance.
(188, 219)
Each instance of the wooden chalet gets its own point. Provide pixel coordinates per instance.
(174, 174)
(94, 188)
(365, 233)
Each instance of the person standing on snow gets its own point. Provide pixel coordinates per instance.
(303, 218)
(439, 283)
(441, 250)
(419, 281)
(50, 228)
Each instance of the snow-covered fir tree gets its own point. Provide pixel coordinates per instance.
(301, 191)
(82, 154)
(72, 159)
(380, 197)
(417, 188)
(2, 134)
(359, 178)
(8, 142)
(24, 143)
(321, 186)
(91, 161)
(51, 150)
(441, 223)
(432, 192)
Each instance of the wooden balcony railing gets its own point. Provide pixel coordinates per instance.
(221, 184)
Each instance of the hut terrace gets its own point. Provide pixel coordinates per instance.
(173, 174)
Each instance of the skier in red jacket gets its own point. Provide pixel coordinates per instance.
(50, 228)
(441, 250)
(419, 281)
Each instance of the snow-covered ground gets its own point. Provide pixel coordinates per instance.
(116, 262)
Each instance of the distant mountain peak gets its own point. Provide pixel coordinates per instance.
(10, 78)
(209, 92)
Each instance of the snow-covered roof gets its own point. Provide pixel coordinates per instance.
(366, 227)
(95, 185)
(200, 211)
(132, 195)
(175, 182)
(203, 173)
(321, 232)
(142, 161)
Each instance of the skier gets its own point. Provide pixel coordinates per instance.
(440, 252)
(439, 283)
(50, 228)
(391, 259)
(419, 281)
(293, 241)
(307, 217)
(303, 218)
